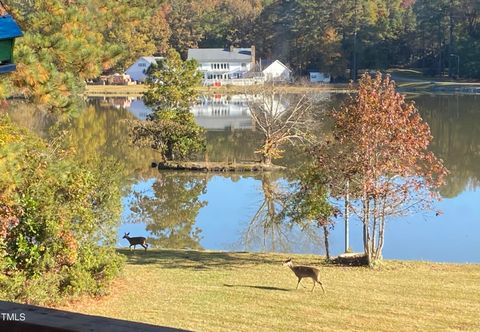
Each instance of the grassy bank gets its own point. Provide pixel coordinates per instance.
(414, 80)
(137, 90)
(115, 90)
(212, 291)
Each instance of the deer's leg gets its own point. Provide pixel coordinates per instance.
(134, 246)
(321, 285)
(314, 283)
(299, 279)
(130, 247)
(145, 246)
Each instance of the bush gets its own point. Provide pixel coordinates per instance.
(58, 219)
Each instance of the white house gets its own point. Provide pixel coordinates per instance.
(138, 71)
(275, 71)
(318, 77)
(224, 65)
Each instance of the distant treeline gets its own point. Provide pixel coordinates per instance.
(68, 41)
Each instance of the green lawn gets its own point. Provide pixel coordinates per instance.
(215, 291)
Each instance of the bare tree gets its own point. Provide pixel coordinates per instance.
(282, 119)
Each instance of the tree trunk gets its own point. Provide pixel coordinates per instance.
(169, 155)
(367, 243)
(266, 159)
(346, 216)
(326, 234)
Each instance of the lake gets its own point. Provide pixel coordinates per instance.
(231, 212)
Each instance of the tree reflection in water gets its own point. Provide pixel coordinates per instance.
(269, 230)
(454, 123)
(169, 208)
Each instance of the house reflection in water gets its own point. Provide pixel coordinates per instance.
(220, 112)
(216, 112)
(139, 109)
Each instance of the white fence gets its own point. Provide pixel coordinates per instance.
(234, 81)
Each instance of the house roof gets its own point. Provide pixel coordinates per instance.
(220, 54)
(267, 63)
(9, 28)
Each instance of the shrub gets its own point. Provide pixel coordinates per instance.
(58, 219)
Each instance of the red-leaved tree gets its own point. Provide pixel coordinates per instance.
(383, 154)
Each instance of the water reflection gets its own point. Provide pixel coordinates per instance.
(221, 112)
(454, 122)
(168, 205)
(268, 231)
(217, 212)
(221, 212)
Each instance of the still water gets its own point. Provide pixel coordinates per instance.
(233, 212)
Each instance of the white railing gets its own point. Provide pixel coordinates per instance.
(234, 81)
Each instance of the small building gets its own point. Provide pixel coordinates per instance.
(319, 77)
(138, 71)
(119, 79)
(275, 71)
(9, 30)
(221, 66)
(115, 79)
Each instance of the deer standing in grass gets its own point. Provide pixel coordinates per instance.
(302, 271)
(134, 241)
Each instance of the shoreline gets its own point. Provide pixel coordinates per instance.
(138, 90)
(441, 88)
(124, 250)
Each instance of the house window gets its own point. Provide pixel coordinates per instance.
(142, 64)
(244, 65)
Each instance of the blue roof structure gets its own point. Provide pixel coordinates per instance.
(9, 28)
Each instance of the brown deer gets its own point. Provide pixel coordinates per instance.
(302, 271)
(134, 241)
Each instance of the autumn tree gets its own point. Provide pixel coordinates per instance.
(59, 51)
(160, 30)
(388, 159)
(171, 129)
(280, 120)
(185, 20)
